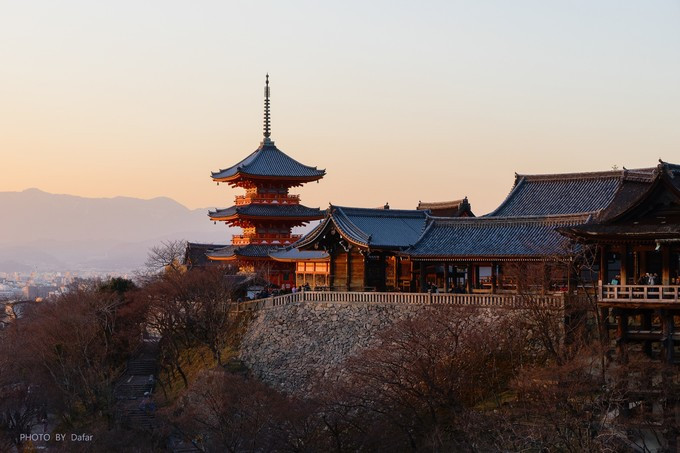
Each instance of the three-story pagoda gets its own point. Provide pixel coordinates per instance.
(267, 212)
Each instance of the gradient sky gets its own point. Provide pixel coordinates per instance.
(399, 101)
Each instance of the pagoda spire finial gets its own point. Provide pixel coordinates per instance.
(267, 120)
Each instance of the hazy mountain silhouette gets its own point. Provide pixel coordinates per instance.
(44, 231)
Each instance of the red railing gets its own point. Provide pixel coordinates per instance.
(267, 198)
(244, 239)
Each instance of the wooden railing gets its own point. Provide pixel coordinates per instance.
(264, 238)
(267, 198)
(640, 293)
(551, 302)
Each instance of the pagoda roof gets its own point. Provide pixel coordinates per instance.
(377, 228)
(566, 194)
(267, 210)
(479, 238)
(269, 162)
(233, 252)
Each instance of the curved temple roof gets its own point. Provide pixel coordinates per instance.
(269, 162)
(381, 228)
(569, 193)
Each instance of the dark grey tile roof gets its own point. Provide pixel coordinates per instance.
(380, 228)
(247, 251)
(638, 193)
(294, 254)
(575, 193)
(268, 160)
(295, 211)
(195, 253)
(500, 237)
(673, 171)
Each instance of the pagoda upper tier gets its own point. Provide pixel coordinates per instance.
(265, 164)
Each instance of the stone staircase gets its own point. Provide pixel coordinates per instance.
(135, 388)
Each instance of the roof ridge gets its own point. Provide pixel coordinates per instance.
(440, 203)
(383, 212)
(546, 219)
(575, 175)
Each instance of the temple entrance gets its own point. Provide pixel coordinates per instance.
(375, 273)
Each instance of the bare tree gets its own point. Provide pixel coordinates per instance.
(166, 256)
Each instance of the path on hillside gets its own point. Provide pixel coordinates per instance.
(134, 389)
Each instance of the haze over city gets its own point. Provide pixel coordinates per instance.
(407, 101)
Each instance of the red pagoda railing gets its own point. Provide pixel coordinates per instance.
(244, 239)
(267, 198)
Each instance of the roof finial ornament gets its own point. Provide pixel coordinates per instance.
(267, 119)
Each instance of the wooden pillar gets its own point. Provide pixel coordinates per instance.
(604, 326)
(397, 274)
(349, 267)
(667, 337)
(422, 265)
(331, 270)
(470, 278)
(621, 336)
(604, 265)
(446, 277)
(665, 265)
(647, 325)
(623, 272)
(365, 255)
(494, 277)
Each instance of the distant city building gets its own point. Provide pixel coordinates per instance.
(33, 292)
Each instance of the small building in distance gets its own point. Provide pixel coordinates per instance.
(455, 208)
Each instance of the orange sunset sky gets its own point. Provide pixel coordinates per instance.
(399, 101)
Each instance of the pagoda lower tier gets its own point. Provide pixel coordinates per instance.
(266, 224)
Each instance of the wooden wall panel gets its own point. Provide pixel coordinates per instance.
(340, 270)
(390, 273)
(357, 269)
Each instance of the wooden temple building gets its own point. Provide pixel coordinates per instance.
(638, 242)
(629, 218)
(444, 247)
(363, 244)
(267, 211)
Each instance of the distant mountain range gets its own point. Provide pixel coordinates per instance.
(44, 232)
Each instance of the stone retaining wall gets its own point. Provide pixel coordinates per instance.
(291, 346)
